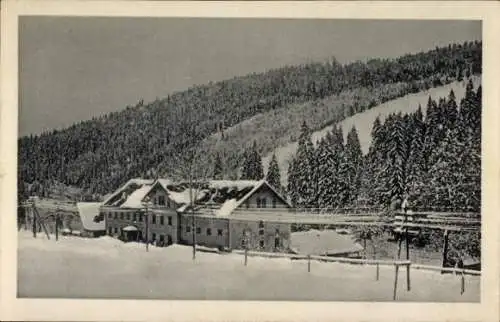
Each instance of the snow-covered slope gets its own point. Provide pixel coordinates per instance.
(364, 121)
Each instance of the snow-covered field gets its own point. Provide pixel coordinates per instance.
(106, 268)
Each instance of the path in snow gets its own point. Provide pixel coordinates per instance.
(106, 268)
(364, 121)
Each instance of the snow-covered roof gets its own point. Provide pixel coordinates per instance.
(129, 195)
(134, 200)
(221, 197)
(88, 211)
(323, 242)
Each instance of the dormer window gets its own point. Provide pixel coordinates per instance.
(161, 200)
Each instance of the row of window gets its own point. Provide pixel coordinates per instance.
(161, 239)
(162, 201)
(140, 217)
(277, 242)
(208, 231)
(262, 203)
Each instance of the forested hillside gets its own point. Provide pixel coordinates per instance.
(434, 161)
(100, 154)
(363, 122)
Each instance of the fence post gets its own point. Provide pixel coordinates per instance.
(309, 263)
(246, 255)
(445, 247)
(378, 269)
(395, 282)
(408, 283)
(462, 290)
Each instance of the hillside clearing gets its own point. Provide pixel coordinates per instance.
(107, 268)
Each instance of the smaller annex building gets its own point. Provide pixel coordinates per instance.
(221, 215)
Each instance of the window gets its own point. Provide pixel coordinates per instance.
(274, 202)
(110, 215)
(198, 230)
(128, 216)
(122, 215)
(219, 232)
(258, 202)
(261, 224)
(247, 204)
(261, 243)
(209, 232)
(116, 215)
(261, 232)
(168, 203)
(188, 229)
(153, 219)
(162, 238)
(263, 202)
(161, 200)
(162, 220)
(135, 217)
(170, 220)
(110, 230)
(116, 230)
(153, 236)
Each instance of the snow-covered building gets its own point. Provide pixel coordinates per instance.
(222, 213)
(87, 212)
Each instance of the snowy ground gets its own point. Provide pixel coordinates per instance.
(106, 268)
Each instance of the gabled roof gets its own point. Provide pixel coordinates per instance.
(129, 195)
(221, 196)
(230, 205)
(88, 211)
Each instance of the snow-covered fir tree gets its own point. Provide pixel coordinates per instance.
(273, 176)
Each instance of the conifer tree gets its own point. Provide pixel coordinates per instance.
(273, 176)
(292, 183)
(218, 170)
(303, 171)
(354, 157)
(252, 164)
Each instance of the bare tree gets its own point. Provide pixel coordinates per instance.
(194, 166)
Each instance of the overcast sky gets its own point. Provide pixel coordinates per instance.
(74, 68)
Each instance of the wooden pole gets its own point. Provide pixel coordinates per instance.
(445, 247)
(41, 223)
(462, 290)
(246, 254)
(147, 228)
(25, 209)
(57, 227)
(399, 245)
(408, 283)
(378, 272)
(33, 221)
(309, 263)
(395, 282)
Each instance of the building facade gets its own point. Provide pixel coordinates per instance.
(221, 216)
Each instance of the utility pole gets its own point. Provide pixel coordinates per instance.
(192, 208)
(146, 204)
